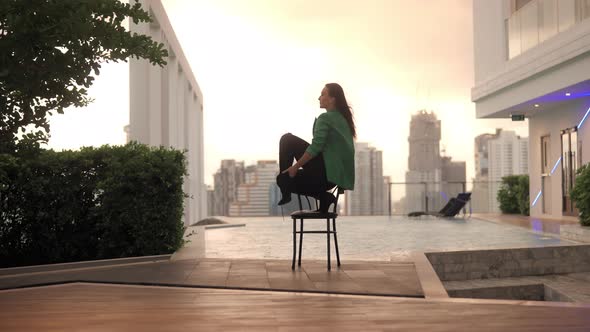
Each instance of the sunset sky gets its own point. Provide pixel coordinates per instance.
(261, 65)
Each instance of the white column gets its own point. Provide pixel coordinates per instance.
(155, 96)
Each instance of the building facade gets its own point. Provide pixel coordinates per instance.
(424, 175)
(226, 182)
(166, 106)
(481, 202)
(253, 198)
(367, 198)
(508, 155)
(532, 59)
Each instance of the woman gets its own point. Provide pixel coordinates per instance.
(328, 161)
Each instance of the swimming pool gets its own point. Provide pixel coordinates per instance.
(368, 237)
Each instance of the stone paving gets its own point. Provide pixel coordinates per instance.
(369, 238)
(574, 287)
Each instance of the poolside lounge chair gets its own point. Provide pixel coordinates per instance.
(453, 207)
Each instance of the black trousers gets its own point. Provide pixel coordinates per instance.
(311, 179)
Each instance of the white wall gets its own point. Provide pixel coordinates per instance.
(166, 107)
(550, 122)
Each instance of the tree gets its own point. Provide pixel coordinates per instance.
(49, 51)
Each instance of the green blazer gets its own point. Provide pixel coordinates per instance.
(333, 138)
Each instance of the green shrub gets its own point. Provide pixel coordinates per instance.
(581, 194)
(96, 203)
(513, 195)
(522, 194)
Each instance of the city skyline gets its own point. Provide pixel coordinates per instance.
(264, 61)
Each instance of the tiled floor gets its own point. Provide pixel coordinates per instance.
(541, 225)
(377, 278)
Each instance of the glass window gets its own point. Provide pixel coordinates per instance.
(547, 19)
(529, 25)
(514, 35)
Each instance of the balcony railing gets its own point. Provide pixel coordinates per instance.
(406, 197)
(540, 20)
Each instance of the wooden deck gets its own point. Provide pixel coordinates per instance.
(375, 278)
(91, 307)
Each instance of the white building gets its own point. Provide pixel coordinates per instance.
(166, 106)
(508, 154)
(254, 195)
(369, 195)
(532, 58)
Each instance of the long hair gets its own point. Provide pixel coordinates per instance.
(335, 91)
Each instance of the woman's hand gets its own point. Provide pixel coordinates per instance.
(292, 171)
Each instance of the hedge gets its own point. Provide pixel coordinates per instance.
(96, 203)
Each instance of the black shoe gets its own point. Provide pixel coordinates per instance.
(326, 199)
(285, 182)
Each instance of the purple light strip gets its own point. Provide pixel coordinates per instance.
(537, 198)
(583, 119)
(555, 166)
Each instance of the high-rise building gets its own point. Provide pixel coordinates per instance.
(367, 198)
(531, 60)
(481, 202)
(254, 194)
(226, 181)
(424, 164)
(286, 209)
(508, 155)
(453, 177)
(166, 106)
(431, 179)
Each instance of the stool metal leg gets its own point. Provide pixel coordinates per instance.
(328, 236)
(294, 243)
(336, 241)
(300, 241)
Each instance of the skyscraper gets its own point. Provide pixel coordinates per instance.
(226, 181)
(431, 179)
(508, 155)
(253, 197)
(480, 193)
(424, 164)
(367, 198)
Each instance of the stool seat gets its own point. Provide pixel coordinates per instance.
(313, 214)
